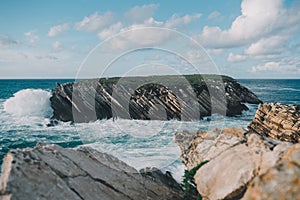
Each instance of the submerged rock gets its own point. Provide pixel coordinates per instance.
(52, 172)
(160, 97)
(277, 121)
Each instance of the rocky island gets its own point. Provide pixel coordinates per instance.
(188, 97)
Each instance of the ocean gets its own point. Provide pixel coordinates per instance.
(25, 112)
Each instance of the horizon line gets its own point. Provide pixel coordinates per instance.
(73, 78)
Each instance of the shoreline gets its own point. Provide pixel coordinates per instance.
(235, 143)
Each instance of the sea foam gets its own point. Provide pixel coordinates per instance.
(29, 102)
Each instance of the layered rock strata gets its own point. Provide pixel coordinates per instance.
(186, 97)
(277, 121)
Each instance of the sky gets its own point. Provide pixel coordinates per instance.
(244, 38)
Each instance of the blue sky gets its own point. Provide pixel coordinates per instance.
(245, 38)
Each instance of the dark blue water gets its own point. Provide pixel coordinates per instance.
(280, 90)
(9, 87)
(16, 131)
(25, 111)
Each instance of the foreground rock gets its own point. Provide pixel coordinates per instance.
(160, 97)
(277, 121)
(52, 172)
(259, 163)
(240, 162)
(281, 181)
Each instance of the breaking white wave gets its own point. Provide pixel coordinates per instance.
(289, 89)
(140, 144)
(29, 102)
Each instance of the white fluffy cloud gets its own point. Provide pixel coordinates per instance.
(110, 31)
(236, 57)
(138, 14)
(269, 45)
(177, 21)
(265, 48)
(95, 22)
(276, 67)
(143, 35)
(138, 35)
(56, 30)
(258, 19)
(31, 37)
(146, 36)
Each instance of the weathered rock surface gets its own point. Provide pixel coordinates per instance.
(199, 146)
(277, 121)
(247, 164)
(52, 172)
(235, 159)
(158, 97)
(281, 181)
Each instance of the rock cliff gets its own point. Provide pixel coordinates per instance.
(158, 97)
(247, 164)
(277, 121)
(52, 172)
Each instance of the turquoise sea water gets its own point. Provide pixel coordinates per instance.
(25, 111)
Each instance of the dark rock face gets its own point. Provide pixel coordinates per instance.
(52, 172)
(94, 99)
(277, 121)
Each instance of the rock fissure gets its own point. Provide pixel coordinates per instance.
(77, 193)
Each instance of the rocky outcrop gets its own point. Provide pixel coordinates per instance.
(258, 163)
(158, 97)
(52, 172)
(281, 181)
(277, 121)
(239, 162)
(200, 146)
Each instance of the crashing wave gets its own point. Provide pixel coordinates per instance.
(29, 102)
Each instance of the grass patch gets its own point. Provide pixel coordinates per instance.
(188, 184)
(171, 79)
